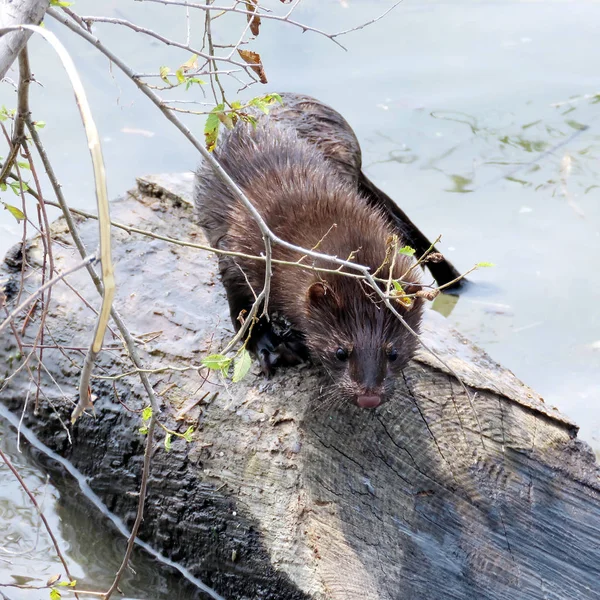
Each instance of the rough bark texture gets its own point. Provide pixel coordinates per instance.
(17, 12)
(425, 497)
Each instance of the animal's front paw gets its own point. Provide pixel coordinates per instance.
(273, 352)
(268, 361)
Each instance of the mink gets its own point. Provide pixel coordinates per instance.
(307, 200)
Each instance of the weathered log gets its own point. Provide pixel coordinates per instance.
(276, 497)
(18, 12)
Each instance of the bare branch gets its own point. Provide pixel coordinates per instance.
(39, 511)
(22, 112)
(16, 13)
(93, 138)
(158, 36)
(389, 10)
(88, 260)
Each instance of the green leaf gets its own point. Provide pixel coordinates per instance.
(264, 102)
(242, 365)
(191, 80)
(211, 128)
(187, 436)
(180, 76)
(16, 187)
(24, 165)
(226, 119)
(249, 119)
(190, 63)
(15, 212)
(40, 124)
(407, 251)
(217, 362)
(260, 104)
(3, 187)
(55, 594)
(147, 413)
(168, 444)
(60, 3)
(72, 583)
(400, 294)
(480, 265)
(143, 430)
(575, 125)
(272, 98)
(164, 72)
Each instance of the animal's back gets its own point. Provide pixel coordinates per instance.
(305, 200)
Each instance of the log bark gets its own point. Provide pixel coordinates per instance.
(426, 497)
(17, 12)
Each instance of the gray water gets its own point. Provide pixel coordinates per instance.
(479, 118)
(91, 540)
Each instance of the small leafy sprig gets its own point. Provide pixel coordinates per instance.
(236, 111)
(221, 363)
(53, 583)
(170, 434)
(182, 74)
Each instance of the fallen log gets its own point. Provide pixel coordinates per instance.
(429, 496)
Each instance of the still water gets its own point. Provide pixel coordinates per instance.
(480, 118)
(91, 540)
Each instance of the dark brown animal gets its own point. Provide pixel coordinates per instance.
(305, 199)
(326, 129)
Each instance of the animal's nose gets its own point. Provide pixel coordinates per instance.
(368, 401)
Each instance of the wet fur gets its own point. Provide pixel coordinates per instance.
(301, 196)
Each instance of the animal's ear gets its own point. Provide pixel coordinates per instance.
(319, 295)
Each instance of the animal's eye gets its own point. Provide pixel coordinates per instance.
(392, 354)
(341, 354)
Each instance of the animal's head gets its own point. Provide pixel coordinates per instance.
(362, 345)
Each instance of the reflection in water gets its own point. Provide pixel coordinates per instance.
(457, 117)
(445, 303)
(90, 541)
(504, 134)
(460, 184)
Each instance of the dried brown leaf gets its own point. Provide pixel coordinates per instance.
(190, 64)
(434, 257)
(428, 294)
(253, 59)
(254, 20)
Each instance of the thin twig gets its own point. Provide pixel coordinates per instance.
(39, 511)
(88, 260)
(140, 509)
(131, 348)
(389, 10)
(108, 280)
(163, 39)
(266, 15)
(21, 114)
